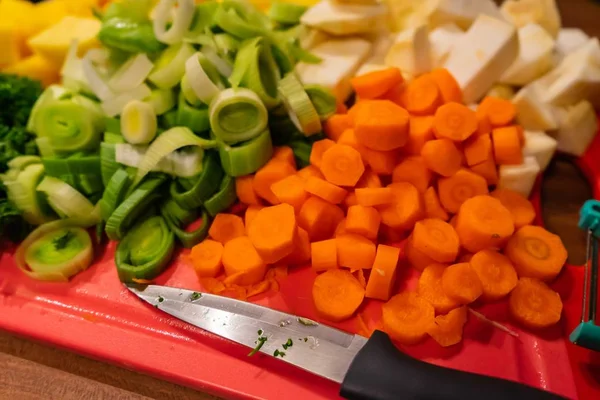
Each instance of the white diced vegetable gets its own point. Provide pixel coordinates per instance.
(410, 51)
(313, 37)
(462, 13)
(381, 46)
(520, 178)
(540, 146)
(344, 19)
(569, 40)
(442, 39)
(541, 12)
(370, 67)
(532, 112)
(501, 91)
(577, 128)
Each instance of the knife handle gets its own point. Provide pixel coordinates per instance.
(381, 372)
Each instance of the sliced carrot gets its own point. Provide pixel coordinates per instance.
(319, 218)
(350, 200)
(308, 171)
(375, 84)
(496, 273)
(226, 227)
(273, 232)
(341, 107)
(318, 149)
(534, 305)
(449, 88)
(324, 255)
(433, 208)
(273, 171)
(359, 274)
(240, 256)
(536, 253)
(381, 125)
(258, 288)
(507, 146)
(245, 190)
(381, 162)
(447, 329)
(488, 170)
(348, 137)
(407, 317)
(355, 251)
(483, 223)
(430, 288)
(301, 252)
(337, 294)
(520, 207)
(406, 208)
(369, 179)
(458, 188)
(383, 274)
(461, 283)
(363, 220)
(354, 110)
(395, 94)
(212, 285)
(207, 257)
(291, 190)
(500, 112)
(442, 156)
(285, 153)
(465, 257)
(416, 258)
(374, 196)
(421, 96)
(484, 126)
(336, 125)
(414, 171)
(478, 149)
(342, 165)
(420, 131)
(454, 121)
(340, 229)
(388, 234)
(325, 190)
(437, 239)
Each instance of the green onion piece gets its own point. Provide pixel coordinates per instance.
(145, 251)
(138, 122)
(112, 125)
(172, 19)
(162, 100)
(194, 118)
(224, 198)
(114, 193)
(301, 151)
(246, 158)
(237, 115)
(188, 93)
(203, 77)
(203, 19)
(302, 55)
(108, 161)
(286, 13)
(239, 21)
(201, 187)
(138, 202)
(323, 100)
(169, 68)
(189, 239)
(301, 110)
(65, 199)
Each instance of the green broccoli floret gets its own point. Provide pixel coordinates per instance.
(17, 97)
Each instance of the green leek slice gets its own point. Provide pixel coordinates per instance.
(188, 92)
(112, 125)
(286, 13)
(114, 138)
(172, 19)
(108, 161)
(131, 74)
(224, 198)
(200, 187)
(65, 199)
(203, 19)
(162, 100)
(241, 19)
(184, 163)
(114, 193)
(246, 158)
(22, 162)
(322, 99)
(172, 211)
(168, 120)
(52, 93)
(21, 190)
(81, 172)
(190, 239)
(114, 106)
(45, 147)
(138, 122)
(194, 118)
(301, 110)
(301, 151)
(169, 68)
(203, 77)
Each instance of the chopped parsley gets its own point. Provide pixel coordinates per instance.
(261, 341)
(287, 344)
(63, 240)
(260, 332)
(305, 339)
(161, 299)
(278, 353)
(195, 296)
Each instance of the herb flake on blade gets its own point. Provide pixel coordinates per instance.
(261, 342)
(161, 299)
(195, 296)
(287, 344)
(278, 353)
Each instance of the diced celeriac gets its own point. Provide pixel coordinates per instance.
(541, 12)
(345, 19)
(569, 40)
(501, 91)
(488, 48)
(535, 56)
(370, 67)
(462, 13)
(441, 40)
(341, 59)
(540, 146)
(520, 178)
(313, 37)
(577, 128)
(406, 14)
(532, 112)
(381, 45)
(410, 51)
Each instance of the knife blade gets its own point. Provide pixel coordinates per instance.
(372, 369)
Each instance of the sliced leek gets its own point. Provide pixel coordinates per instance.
(322, 99)
(65, 200)
(52, 93)
(188, 92)
(162, 100)
(201, 187)
(170, 66)
(189, 239)
(138, 122)
(172, 19)
(203, 77)
(131, 74)
(240, 20)
(300, 109)
(237, 115)
(183, 163)
(96, 80)
(203, 19)
(246, 158)
(224, 198)
(286, 13)
(222, 65)
(114, 193)
(108, 161)
(114, 106)
(194, 118)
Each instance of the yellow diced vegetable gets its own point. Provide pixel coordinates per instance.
(11, 43)
(35, 67)
(48, 13)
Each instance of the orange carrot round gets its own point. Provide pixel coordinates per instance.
(406, 208)
(442, 156)
(369, 179)
(342, 165)
(381, 162)
(381, 125)
(458, 188)
(390, 235)
(433, 208)
(363, 220)
(324, 255)
(336, 125)
(250, 214)
(507, 146)
(395, 94)
(449, 88)
(301, 252)
(496, 273)
(416, 258)
(245, 190)
(341, 228)
(271, 172)
(536, 253)
(488, 170)
(421, 96)
(375, 84)
(285, 153)
(240, 256)
(319, 218)
(273, 232)
(350, 200)
(483, 223)
(337, 294)
(383, 274)
(461, 283)
(309, 171)
(478, 149)
(291, 190)
(318, 149)
(430, 288)
(534, 305)
(407, 317)
(484, 126)
(226, 227)
(520, 207)
(413, 170)
(419, 132)
(454, 121)
(207, 257)
(500, 112)
(437, 239)
(374, 196)
(355, 251)
(447, 329)
(325, 190)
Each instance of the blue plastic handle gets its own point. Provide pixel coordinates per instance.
(589, 217)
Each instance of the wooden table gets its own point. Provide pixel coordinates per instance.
(34, 371)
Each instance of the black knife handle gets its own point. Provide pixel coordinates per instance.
(381, 372)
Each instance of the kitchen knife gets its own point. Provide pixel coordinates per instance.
(372, 369)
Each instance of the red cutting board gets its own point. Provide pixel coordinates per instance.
(95, 315)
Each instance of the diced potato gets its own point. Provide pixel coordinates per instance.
(541, 12)
(342, 19)
(442, 39)
(410, 51)
(569, 40)
(520, 178)
(533, 113)
(501, 91)
(540, 146)
(35, 67)
(577, 128)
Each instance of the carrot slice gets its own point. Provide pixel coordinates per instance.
(226, 227)
(388, 234)
(285, 153)
(520, 207)
(488, 170)
(465, 257)
(413, 170)
(301, 253)
(407, 317)
(478, 149)
(534, 305)
(395, 95)
(258, 288)
(433, 208)
(207, 258)
(336, 125)
(271, 172)
(500, 112)
(291, 190)
(324, 255)
(416, 258)
(348, 138)
(342, 165)
(430, 288)
(375, 84)
(318, 149)
(483, 223)
(381, 125)
(337, 294)
(381, 162)
(319, 218)
(309, 171)
(458, 188)
(273, 232)
(536, 253)
(442, 156)
(325, 190)
(420, 131)
(447, 329)
(421, 96)
(350, 200)
(374, 196)
(359, 274)
(250, 214)
(437, 239)
(240, 256)
(461, 283)
(245, 190)
(496, 273)
(354, 110)
(484, 126)
(340, 229)
(507, 146)
(341, 107)
(449, 88)
(406, 208)
(369, 179)
(355, 251)
(454, 121)
(363, 220)
(383, 274)
(212, 285)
